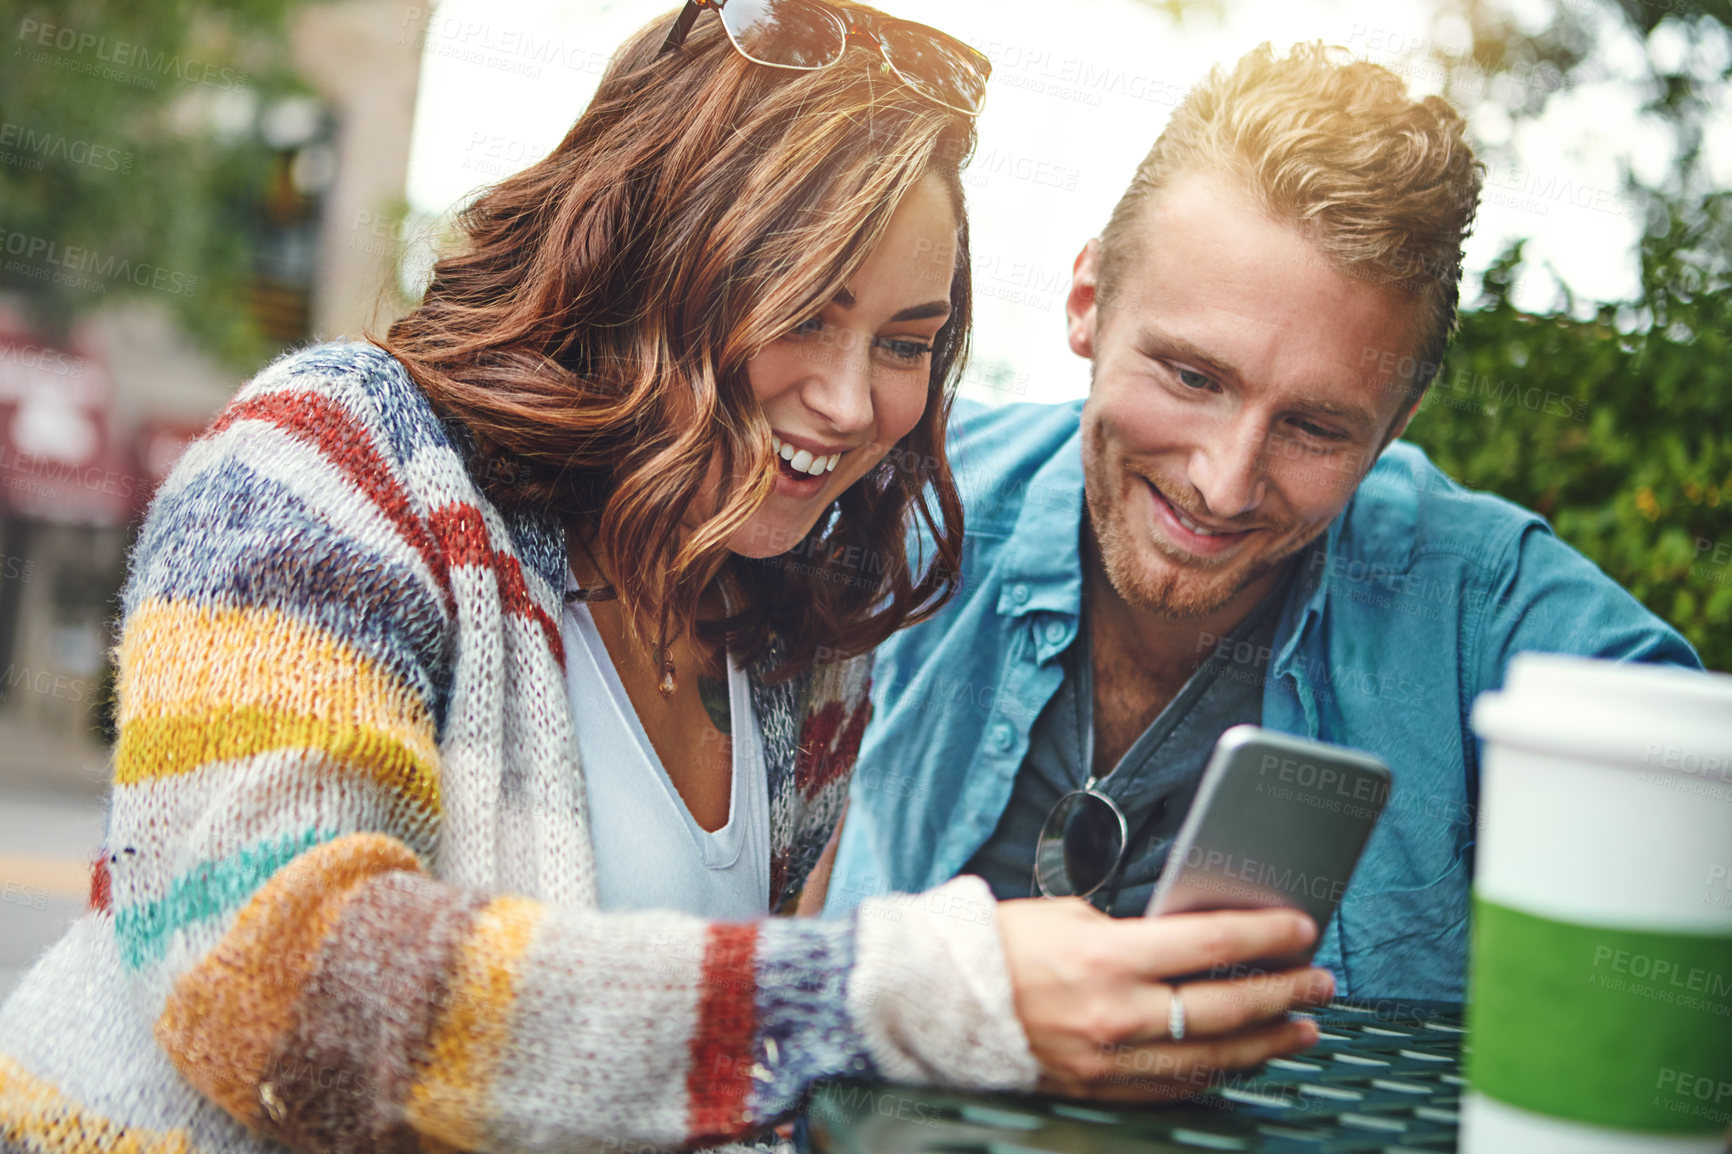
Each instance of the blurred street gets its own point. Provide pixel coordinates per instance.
(51, 817)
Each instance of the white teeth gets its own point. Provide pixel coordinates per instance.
(803, 460)
(1194, 527)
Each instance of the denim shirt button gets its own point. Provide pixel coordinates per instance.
(1055, 631)
(1019, 593)
(1002, 735)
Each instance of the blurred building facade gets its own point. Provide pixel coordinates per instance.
(91, 425)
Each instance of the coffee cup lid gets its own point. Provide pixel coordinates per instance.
(1648, 717)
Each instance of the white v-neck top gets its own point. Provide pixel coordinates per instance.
(650, 853)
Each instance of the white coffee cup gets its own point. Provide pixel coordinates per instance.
(1600, 1015)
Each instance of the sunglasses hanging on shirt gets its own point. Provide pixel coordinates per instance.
(1080, 845)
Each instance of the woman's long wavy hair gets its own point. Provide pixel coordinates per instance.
(593, 332)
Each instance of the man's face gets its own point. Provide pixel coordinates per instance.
(1231, 412)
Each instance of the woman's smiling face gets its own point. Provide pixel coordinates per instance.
(843, 387)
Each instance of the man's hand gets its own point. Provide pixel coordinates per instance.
(1090, 992)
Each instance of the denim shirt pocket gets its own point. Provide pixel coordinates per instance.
(1408, 942)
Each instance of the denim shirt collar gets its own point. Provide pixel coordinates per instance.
(1306, 595)
(1042, 561)
(1375, 528)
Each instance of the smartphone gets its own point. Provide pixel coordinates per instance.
(1277, 821)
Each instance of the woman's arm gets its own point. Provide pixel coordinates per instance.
(281, 797)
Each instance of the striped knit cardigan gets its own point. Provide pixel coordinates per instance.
(348, 902)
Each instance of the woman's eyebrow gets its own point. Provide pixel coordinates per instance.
(922, 312)
(915, 313)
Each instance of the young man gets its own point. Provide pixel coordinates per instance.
(1224, 532)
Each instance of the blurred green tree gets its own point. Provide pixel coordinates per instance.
(1639, 476)
(131, 160)
(1620, 435)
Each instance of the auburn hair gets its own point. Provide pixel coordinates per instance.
(1385, 186)
(593, 329)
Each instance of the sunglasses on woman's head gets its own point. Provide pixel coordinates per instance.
(807, 35)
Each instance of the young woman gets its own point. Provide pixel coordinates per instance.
(481, 691)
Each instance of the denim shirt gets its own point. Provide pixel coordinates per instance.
(1415, 605)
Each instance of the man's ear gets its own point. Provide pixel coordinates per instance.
(1082, 305)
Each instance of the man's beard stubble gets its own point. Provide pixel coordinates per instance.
(1184, 593)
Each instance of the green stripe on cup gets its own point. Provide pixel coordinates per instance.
(1624, 1028)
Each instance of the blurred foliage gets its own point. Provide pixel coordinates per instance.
(1642, 484)
(131, 142)
(1617, 432)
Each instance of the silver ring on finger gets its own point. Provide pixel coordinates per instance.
(1176, 1016)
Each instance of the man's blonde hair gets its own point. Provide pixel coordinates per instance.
(1383, 185)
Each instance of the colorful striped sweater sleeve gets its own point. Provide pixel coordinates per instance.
(351, 886)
